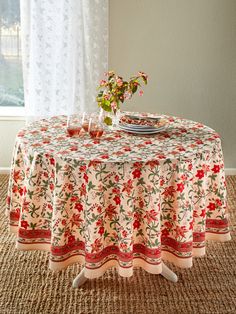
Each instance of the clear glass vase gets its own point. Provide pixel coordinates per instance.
(115, 116)
(115, 119)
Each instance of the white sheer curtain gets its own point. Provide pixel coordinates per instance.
(65, 53)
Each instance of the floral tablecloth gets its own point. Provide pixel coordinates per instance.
(122, 201)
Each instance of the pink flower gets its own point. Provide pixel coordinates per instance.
(140, 73)
(127, 95)
(102, 82)
(119, 82)
(113, 105)
(141, 93)
(107, 96)
(109, 73)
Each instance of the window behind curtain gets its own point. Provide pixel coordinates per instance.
(11, 80)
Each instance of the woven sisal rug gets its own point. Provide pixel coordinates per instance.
(28, 286)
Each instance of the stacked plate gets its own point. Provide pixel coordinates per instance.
(142, 125)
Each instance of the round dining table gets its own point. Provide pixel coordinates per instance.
(123, 200)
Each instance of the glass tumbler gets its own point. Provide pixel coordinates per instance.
(74, 125)
(96, 127)
(85, 121)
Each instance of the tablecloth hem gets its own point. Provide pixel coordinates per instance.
(33, 246)
(182, 262)
(123, 272)
(91, 273)
(13, 229)
(98, 272)
(218, 237)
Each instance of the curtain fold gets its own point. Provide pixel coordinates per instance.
(64, 53)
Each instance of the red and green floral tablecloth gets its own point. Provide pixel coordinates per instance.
(122, 201)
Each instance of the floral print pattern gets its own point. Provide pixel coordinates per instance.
(123, 200)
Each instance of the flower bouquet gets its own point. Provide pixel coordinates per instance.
(114, 90)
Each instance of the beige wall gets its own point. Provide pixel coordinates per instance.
(188, 48)
(8, 130)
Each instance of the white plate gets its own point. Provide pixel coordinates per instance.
(143, 117)
(138, 127)
(144, 132)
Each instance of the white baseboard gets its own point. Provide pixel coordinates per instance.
(228, 171)
(5, 170)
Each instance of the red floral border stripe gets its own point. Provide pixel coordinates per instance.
(123, 256)
(216, 223)
(123, 266)
(199, 236)
(186, 247)
(34, 234)
(178, 246)
(173, 253)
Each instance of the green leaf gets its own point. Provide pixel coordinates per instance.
(31, 158)
(144, 79)
(30, 194)
(58, 167)
(167, 161)
(32, 226)
(106, 234)
(199, 183)
(134, 89)
(90, 186)
(106, 105)
(108, 121)
(213, 177)
(141, 181)
(49, 215)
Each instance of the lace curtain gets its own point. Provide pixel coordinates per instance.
(65, 53)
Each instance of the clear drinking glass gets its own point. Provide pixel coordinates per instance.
(85, 121)
(96, 127)
(74, 125)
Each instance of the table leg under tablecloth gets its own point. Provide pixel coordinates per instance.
(166, 273)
